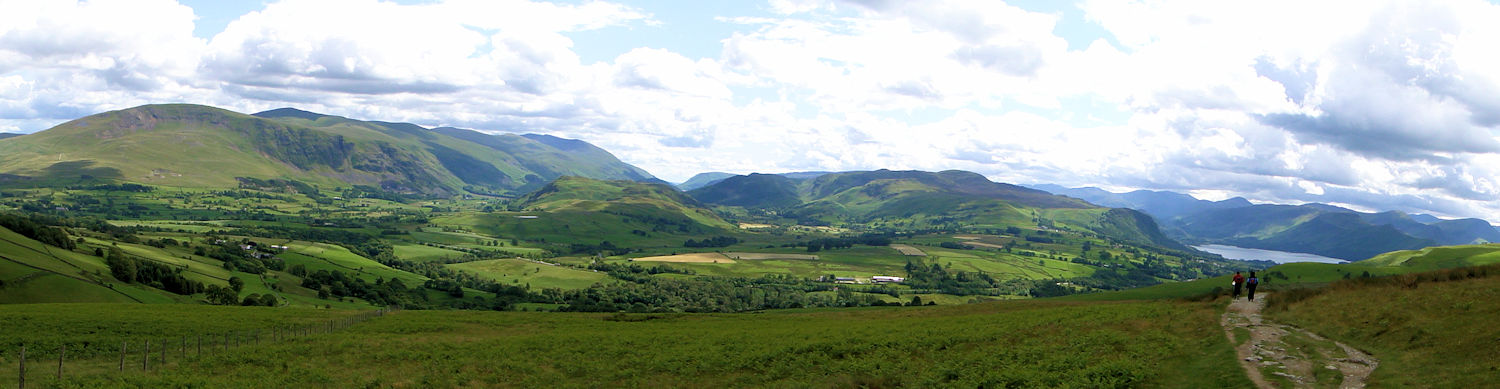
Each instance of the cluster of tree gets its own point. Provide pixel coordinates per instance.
(708, 295)
(123, 187)
(1050, 288)
(936, 277)
(603, 248)
(717, 241)
(131, 270)
(816, 245)
(278, 185)
(39, 228)
(382, 292)
(634, 272)
(255, 299)
(1111, 278)
(370, 192)
(162, 243)
(237, 258)
(954, 245)
(218, 295)
(1039, 239)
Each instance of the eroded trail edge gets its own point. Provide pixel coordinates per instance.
(1276, 355)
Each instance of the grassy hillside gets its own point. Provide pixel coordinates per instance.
(196, 146)
(750, 191)
(1430, 329)
(1007, 344)
(1337, 235)
(703, 179)
(32, 272)
(656, 204)
(915, 200)
(519, 272)
(1302, 275)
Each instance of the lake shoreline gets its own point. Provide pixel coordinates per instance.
(1244, 253)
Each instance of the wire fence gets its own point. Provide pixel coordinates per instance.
(147, 354)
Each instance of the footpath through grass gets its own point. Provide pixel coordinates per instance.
(1006, 344)
(1432, 329)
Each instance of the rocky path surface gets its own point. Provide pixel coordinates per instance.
(1281, 356)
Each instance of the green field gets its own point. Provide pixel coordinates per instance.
(1429, 331)
(333, 257)
(416, 252)
(1005, 344)
(510, 271)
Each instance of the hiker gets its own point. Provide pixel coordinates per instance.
(1250, 283)
(1238, 281)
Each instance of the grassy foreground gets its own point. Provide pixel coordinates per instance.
(1431, 329)
(1003, 344)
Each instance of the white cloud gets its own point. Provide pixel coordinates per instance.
(1379, 104)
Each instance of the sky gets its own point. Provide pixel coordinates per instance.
(1373, 105)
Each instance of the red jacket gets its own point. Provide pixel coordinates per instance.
(1238, 279)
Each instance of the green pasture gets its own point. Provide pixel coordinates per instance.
(1436, 333)
(333, 257)
(999, 344)
(422, 253)
(510, 271)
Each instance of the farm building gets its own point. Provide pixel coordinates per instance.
(879, 279)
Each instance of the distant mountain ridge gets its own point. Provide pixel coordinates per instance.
(703, 179)
(4, 135)
(917, 198)
(709, 178)
(200, 146)
(1309, 228)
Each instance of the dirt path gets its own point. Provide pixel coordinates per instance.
(1281, 356)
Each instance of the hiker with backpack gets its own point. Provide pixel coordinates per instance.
(1238, 281)
(1251, 283)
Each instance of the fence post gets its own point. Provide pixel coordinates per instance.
(23, 367)
(146, 357)
(164, 348)
(60, 355)
(122, 356)
(184, 348)
(200, 345)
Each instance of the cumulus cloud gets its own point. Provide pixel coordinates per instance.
(1383, 105)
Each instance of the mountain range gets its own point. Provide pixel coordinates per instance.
(918, 199)
(1313, 228)
(198, 146)
(181, 145)
(705, 179)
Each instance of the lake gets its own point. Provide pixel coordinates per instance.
(1233, 252)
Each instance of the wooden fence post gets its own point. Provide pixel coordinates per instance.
(122, 356)
(164, 348)
(200, 345)
(146, 357)
(60, 355)
(23, 367)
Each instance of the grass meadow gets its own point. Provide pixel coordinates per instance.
(998, 344)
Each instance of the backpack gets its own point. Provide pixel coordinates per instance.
(1253, 281)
